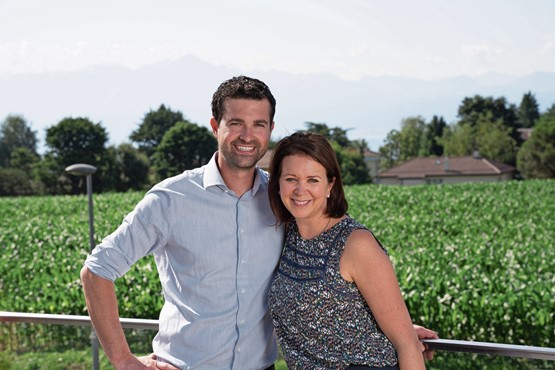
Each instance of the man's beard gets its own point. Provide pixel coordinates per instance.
(238, 161)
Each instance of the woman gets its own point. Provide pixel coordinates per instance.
(335, 301)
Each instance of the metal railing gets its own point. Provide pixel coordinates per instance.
(485, 348)
(488, 348)
(76, 320)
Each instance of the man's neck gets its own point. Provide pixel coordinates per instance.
(237, 179)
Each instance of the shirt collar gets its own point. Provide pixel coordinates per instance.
(213, 177)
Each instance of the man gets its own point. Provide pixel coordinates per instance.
(216, 246)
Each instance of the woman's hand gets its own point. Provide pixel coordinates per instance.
(424, 333)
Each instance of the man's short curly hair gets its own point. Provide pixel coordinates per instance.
(241, 87)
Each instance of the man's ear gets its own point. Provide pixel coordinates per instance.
(215, 126)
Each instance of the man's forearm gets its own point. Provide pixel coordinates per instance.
(102, 305)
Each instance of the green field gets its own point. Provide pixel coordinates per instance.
(474, 261)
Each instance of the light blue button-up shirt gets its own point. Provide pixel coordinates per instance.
(216, 255)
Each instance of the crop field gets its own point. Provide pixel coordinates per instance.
(474, 261)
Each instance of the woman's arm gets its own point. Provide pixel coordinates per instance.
(365, 263)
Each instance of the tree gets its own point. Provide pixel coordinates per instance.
(153, 128)
(107, 176)
(15, 133)
(390, 152)
(351, 162)
(410, 142)
(122, 168)
(23, 158)
(414, 138)
(458, 140)
(528, 110)
(14, 181)
(133, 168)
(51, 177)
(550, 111)
(435, 131)
(185, 146)
(490, 138)
(471, 109)
(493, 141)
(350, 154)
(333, 134)
(76, 140)
(536, 157)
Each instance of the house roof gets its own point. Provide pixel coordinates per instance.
(446, 166)
(264, 162)
(525, 132)
(370, 153)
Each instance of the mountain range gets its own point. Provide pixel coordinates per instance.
(369, 108)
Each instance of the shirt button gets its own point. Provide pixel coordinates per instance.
(243, 290)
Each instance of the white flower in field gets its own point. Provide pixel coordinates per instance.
(446, 297)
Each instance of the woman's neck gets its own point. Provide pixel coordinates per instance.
(309, 229)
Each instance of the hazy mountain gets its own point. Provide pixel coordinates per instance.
(371, 107)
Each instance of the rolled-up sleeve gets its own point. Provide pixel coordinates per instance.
(142, 231)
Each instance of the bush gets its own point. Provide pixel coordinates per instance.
(14, 181)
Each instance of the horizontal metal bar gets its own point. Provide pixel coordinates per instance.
(76, 320)
(486, 348)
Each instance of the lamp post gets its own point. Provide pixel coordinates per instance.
(81, 169)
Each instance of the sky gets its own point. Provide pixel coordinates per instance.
(350, 39)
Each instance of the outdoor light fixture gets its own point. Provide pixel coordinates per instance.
(81, 169)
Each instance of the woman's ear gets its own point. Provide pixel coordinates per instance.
(330, 186)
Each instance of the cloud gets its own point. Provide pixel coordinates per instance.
(480, 51)
(78, 49)
(547, 48)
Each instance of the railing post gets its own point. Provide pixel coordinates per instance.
(95, 345)
(94, 338)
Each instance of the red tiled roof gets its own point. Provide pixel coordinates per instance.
(370, 153)
(450, 166)
(264, 162)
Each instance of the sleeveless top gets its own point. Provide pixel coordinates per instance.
(322, 321)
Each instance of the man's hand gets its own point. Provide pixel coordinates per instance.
(424, 333)
(144, 363)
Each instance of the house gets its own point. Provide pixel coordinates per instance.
(525, 133)
(446, 170)
(372, 161)
(264, 162)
